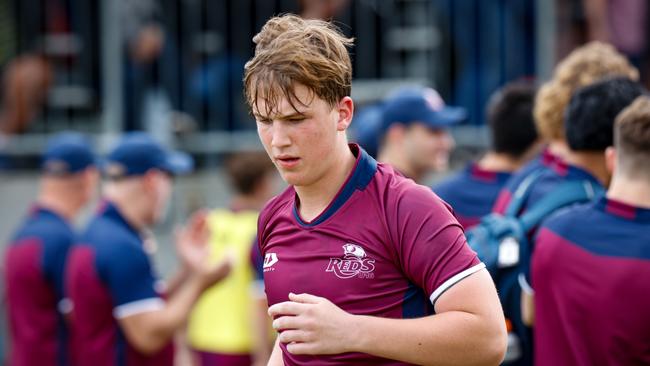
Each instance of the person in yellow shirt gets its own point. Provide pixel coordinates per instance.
(229, 324)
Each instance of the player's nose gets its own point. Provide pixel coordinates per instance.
(280, 135)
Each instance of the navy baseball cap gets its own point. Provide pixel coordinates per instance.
(417, 104)
(137, 152)
(67, 153)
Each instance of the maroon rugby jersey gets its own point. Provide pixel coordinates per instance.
(385, 247)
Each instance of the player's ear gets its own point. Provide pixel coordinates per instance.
(610, 159)
(149, 180)
(345, 109)
(395, 132)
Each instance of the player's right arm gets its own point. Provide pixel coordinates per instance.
(276, 355)
(148, 322)
(150, 331)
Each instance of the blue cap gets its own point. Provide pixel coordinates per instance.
(137, 152)
(424, 105)
(67, 153)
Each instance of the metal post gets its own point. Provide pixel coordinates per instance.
(111, 68)
(546, 29)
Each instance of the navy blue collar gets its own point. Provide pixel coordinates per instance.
(108, 210)
(37, 210)
(623, 210)
(364, 169)
(547, 158)
(573, 172)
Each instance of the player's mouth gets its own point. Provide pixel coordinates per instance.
(287, 161)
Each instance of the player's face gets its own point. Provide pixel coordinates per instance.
(90, 183)
(302, 144)
(162, 189)
(427, 148)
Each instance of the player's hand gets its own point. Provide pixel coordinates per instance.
(313, 325)
(194, 251)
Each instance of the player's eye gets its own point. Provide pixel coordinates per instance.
(264, 121)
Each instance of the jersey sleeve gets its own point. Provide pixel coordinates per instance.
(130, 281)
(257, 264)
(257, 261)
(431, 245)
(54, 259)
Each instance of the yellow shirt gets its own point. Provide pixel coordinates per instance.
(221, 319)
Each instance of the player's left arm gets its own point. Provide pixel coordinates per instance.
(528, 308)
(467, 329)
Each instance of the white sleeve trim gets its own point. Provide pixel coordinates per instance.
(454, 280)
(525, 286)
(138, 307)
(65, 306)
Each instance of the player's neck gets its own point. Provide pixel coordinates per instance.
(59, 202)
(592, 162)
(497, 162)
(315, 198)
(59, 205)
(399, 162)
(634, 192)
(558, 148)
(130, 211)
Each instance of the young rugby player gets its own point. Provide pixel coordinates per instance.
(34, 262)
(592, 262)
(120, 314)
(473, 191)
(584, 66)
(229, 325)
(589, 128)
(361, 264)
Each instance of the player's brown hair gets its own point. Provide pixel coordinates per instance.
(584, 66)
(632, 139)
(291, 50)
(247, 169)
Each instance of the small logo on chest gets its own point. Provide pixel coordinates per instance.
(354, 263)
(269, 260)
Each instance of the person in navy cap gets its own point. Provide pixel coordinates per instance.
(414, 135)
(34, 260)
(121, 316)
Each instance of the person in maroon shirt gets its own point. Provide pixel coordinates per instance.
(584, 66)
(591, 265)
(361, 265)
(472, 191)
(120, 314)
(34, 260)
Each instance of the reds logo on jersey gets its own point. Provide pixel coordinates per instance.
(355, 263)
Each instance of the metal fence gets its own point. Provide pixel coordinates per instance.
(466, 48)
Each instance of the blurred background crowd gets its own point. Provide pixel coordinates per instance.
(174, 68)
